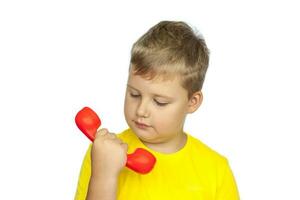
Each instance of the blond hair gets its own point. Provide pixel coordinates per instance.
(171, 49)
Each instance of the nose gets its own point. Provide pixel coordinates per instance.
(142, 110)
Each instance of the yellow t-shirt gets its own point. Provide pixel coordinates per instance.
(193, 172)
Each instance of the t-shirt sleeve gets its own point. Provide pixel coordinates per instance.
(84, 176)
(227, 187)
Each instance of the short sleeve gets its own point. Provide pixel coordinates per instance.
(227, 187)
(84, 176)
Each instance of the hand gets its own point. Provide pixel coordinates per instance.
(108, 154)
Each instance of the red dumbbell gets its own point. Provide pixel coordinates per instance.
(141, 160)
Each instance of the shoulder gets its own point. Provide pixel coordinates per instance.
(205, 152)
(216, 168)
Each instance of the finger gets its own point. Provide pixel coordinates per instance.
(124, 146)
(112, 135)
(119, 141)
(102, 131)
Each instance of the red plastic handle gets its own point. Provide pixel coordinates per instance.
(141, 160)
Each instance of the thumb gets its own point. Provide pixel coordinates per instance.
(124, 146)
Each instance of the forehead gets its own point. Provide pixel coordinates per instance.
(168, 87)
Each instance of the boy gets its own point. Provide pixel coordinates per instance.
(167, 69)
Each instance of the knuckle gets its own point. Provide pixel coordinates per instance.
(113, 135)
(102, 131)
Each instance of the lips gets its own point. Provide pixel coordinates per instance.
(141, 124)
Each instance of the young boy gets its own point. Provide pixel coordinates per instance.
(167, 69)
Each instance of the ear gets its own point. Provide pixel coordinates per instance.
(195, 101)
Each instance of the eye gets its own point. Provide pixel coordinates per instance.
(157, 102)
(160, 104)
(134, 95)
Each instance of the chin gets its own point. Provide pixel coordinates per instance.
(152, 139)
(144, 135)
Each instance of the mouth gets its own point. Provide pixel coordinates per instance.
(141, 125)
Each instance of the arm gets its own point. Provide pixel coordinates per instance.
(102, 187)
(227, 187)
(108, 157)
(88, 183)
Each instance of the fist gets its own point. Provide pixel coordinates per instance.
(108, 153)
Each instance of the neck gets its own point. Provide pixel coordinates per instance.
(171, 146)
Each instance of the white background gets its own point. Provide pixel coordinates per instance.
(58, 56)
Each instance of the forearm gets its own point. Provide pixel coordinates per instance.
(103, 187)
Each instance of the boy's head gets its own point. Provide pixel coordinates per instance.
(167, 70)
(171, 49)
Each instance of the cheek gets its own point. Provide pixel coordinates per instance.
(127, 112)
(170, 117)
(177, 111)
(128, 106)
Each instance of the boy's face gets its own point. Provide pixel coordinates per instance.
(161, 105)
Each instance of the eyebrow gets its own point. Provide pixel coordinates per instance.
(158, 95)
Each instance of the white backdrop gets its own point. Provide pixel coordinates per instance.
(58, 56)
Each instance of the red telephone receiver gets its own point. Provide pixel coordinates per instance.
(141, 160)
